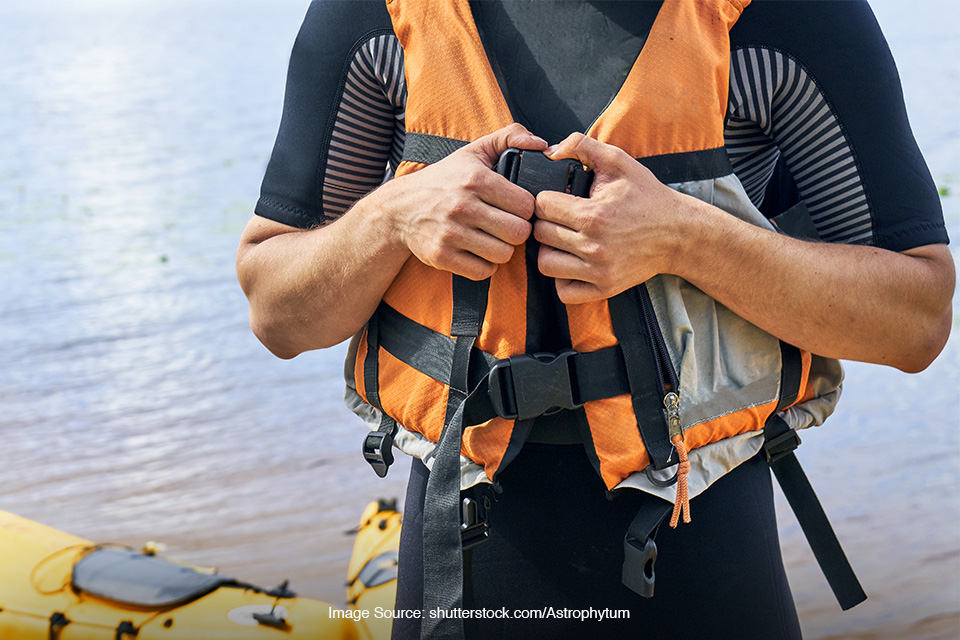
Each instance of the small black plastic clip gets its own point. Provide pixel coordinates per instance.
(474, 528)
(781, 445)
(378, 451)
(639, 559)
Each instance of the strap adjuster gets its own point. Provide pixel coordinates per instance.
(530, 385)
(639, 559)
(536, 172)
(378, 451)
(781, 445)
(474, 527)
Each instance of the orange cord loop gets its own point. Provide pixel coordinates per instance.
(682, 503)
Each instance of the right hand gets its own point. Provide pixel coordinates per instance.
(457, 215)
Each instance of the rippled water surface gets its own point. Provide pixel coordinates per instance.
(135, 403)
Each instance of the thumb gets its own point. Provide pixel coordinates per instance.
(602, 158)
(489, 147)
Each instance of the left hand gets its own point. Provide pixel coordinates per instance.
(624, 234)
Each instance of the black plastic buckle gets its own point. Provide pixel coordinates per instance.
(378, 451)
(536, 172)
(638, 565)
(530, 385)
(781, 445)
(474, 528)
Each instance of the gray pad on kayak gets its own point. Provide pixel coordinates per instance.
(129, 577)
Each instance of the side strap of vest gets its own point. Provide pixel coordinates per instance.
(646, 391)
(378, 445)
(442, 545)
(779, 444)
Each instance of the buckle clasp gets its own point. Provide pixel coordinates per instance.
(530, 385)
(536, 172)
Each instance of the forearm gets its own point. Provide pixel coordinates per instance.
(843, 301)
(313, 289)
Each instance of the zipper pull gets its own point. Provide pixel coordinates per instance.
(671, 402)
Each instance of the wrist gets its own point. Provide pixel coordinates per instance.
(382, 214)
(685, 230)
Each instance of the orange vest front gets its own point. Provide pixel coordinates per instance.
(672, 102)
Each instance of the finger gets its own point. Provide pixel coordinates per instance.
(502, 194)
(554, 263)
(468, 265)
(502, 225)
(601, 157)
(578, 292)
(485, 246)
(489, 147)
(560, 237)
(561, 208)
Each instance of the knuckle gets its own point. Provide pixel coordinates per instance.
(459, 206)
(598, 253)
(472, 179)
(520, 232)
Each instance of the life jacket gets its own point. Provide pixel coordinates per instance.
(669, 113)
(669, 386)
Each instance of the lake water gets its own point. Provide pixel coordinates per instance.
(136, 405)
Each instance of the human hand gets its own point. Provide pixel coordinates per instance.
(457, 215)
(623, 235)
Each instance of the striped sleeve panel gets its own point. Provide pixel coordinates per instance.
(368, 132)
(776, 107)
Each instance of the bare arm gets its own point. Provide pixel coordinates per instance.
(843, 301)
(313, 289)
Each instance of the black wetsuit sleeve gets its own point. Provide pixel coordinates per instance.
(839, 46)
(333, 31)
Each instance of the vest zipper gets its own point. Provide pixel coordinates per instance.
(670, 382)
(666, 373)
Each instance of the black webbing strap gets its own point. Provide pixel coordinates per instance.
(594, 375)
(442, 546)
(427, 148)
(629, 327)
(639, 549)
(688, 166)
(377, 445)
(779, 444)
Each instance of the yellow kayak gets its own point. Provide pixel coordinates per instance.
(372, 572)
(55, 586)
